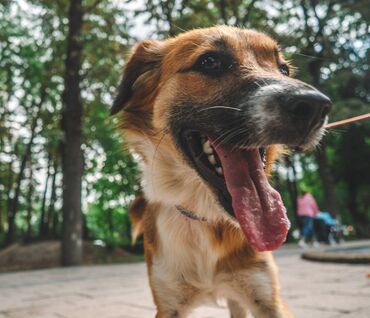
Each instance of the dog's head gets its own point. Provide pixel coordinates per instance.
(205, 111)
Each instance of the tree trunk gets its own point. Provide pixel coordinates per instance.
(292, 186)
(9, 188)
(353, 176)
(55, 227)
(1, 216)
(327, 180)
(222, 9)
(29, 206)
(10, 182)
(51, 209)
(72, 166)
(42, 224)
(360, 220)
(167, 8)
(86, 233)
(110, 224)
(2, 209)
(1, 219)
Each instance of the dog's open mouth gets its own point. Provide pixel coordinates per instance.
(238, 177)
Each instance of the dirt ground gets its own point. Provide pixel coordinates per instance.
(46, 254)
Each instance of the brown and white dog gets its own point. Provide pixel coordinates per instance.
(207, 112)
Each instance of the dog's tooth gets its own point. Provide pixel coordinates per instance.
(207, 148)
(212, 159)
(219, 170)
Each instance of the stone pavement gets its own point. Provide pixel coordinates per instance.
(312, 290)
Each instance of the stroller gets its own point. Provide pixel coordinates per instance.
(327, 229)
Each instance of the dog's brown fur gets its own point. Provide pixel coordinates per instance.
(192, 261)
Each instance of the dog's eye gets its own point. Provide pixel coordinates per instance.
(213, 64)
(284, 69)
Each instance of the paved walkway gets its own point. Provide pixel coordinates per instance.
(312, 290)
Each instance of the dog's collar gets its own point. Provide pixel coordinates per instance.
(190, 214)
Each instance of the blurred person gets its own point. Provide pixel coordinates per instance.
(307, 210)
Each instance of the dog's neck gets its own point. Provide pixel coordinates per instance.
(169, 181)
(172, 183)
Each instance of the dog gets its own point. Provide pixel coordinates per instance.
(207, 113)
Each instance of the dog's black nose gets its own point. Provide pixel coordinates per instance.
(309, 106)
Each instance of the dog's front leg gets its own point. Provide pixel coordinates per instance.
(258, 289)
(172, 298)
(170, 304)
(171, 309)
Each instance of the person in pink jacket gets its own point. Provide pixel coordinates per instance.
(307, 210)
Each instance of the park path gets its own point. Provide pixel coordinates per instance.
(312, 290)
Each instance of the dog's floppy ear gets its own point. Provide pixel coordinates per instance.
(144, 60)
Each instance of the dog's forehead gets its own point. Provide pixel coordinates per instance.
(242, 43)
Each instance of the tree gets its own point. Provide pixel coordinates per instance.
(72, 161)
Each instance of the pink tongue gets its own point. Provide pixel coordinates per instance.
(257, 206)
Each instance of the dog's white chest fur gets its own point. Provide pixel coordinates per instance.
(184, 253)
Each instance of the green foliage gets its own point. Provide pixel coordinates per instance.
(33, 42)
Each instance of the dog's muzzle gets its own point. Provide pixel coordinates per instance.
(289, 112)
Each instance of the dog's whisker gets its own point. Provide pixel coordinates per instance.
(309, 56)
(177, 27)
(220, 138)
(220, 106)
(264, 81)
(258, 84)
(244, 141)
(226, 136)
(232, 133)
